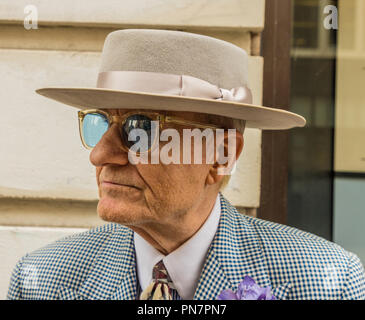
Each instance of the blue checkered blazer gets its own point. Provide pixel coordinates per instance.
(101, 264)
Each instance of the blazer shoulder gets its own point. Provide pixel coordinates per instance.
(66, 261)
(273, 234)
(309, 261)
(77, 244)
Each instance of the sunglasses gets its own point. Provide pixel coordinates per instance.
(94, 123)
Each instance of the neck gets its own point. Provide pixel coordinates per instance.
(167, 236)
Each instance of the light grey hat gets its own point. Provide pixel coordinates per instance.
(174, 70)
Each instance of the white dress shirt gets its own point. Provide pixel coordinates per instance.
(184, 264)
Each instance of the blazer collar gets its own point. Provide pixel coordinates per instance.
(236, 251)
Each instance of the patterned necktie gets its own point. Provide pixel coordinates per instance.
(161, 285)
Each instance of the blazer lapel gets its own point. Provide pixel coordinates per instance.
(235, 252)
(213, 278)
(113, 275)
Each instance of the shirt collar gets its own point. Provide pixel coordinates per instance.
(184, 264)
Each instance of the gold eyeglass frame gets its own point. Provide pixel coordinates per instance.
(155, 116)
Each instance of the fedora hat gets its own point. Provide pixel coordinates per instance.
(177, 71)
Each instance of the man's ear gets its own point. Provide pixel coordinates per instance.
(228, 148)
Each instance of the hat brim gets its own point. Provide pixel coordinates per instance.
(99, 98)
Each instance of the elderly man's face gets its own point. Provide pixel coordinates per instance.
(134, 194)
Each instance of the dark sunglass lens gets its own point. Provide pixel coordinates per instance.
(137, 130)
(93, 127)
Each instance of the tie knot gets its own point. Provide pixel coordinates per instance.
(161, 285)
(160, 273)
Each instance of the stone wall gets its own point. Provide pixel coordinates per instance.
(47, 185)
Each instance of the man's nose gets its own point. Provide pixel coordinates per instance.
(109, 149)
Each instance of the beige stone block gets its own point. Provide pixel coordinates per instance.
(39, 139)
(89, 38)
(54, 38)
(48, 213)
(243, 14)
(350, 94)
(15, 242)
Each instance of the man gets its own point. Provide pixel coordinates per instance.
(172, 234)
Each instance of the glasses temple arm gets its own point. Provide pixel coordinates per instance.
(187, 122)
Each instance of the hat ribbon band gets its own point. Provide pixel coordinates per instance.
(171, 84)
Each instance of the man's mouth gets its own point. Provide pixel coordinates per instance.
(109, 183)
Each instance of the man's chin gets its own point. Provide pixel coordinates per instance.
(115, 210)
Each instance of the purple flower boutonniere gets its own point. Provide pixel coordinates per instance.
(247, 290)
